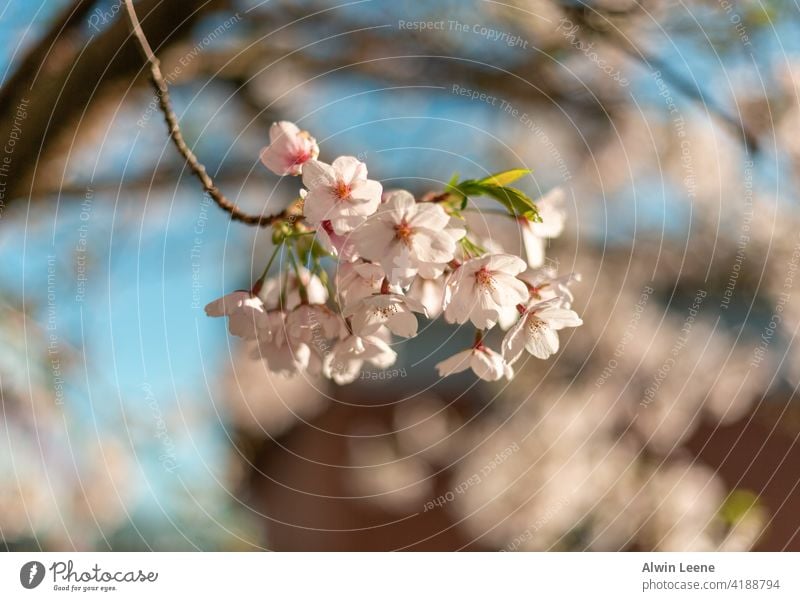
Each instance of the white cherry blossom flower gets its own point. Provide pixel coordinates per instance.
(289, 149)
(537, 330)
(339, 193)
(313, 324)
(354, 281)
(504, 233)
(338, 245)
(405, 235)
(487, 364)
(245, 312)
(480, 289)
(394, 311)
(345, 361)
(284, 354)
(545, 284)
(270, 292)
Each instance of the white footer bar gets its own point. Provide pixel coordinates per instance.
(402, 576)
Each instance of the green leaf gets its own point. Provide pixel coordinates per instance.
(456, 195)
(516, 202)
(505, 177)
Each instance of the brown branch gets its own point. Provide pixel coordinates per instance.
(30, 66)
(69, 84)
(175, 134)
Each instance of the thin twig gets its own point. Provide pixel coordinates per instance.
(164, 103)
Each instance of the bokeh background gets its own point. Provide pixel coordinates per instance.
(669, 421)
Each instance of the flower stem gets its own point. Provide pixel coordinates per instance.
(301, 287)
(260, 280)
(470, 248)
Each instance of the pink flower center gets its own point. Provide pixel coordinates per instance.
(403, 232)
(484, 278)
(342, 190)
(534, 325)
(387, 311)
(301, 158)
(535, 291)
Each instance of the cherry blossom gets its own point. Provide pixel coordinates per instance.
(313, 323)
(314, 326)
(245, 312)
(339, 193)
(356, 280)
(289, 149)
(338, 245)
(284, 354)
(481, 288)
(545, 284)
(396, 257)
(394, 311)
(345, 361)
(487, 364)
(272, 288)
(537, 330)
(405, 235)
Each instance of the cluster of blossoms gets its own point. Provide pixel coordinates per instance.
(398, 257)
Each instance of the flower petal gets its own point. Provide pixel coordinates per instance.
(403, 324)
(541, 341)
(455, 364)
(510, 264)
(429, 215)
(350, 169)
(534, 247)
(319, 205)
(399, 205)
(227, 304)
(317, 174)
(372, 238)
(379, 353)
(508, 290)
(487, 364)
(514, 341)
(558, 318)
(431, 246)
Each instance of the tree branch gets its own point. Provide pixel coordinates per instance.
(684, 86)
(164, 103)
(31, 64)
(70, 81)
